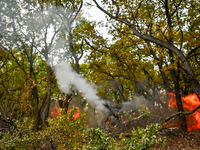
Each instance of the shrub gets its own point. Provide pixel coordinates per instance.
(96, 139)
(67, 132)
(143, 138)
(63, 132)
(21, 138)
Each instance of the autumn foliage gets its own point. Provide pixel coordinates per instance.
(146, 48)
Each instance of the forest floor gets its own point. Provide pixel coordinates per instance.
(178, 140)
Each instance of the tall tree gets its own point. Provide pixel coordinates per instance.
(162, 23)
(134, 22)
(16, 40)
(28, 36)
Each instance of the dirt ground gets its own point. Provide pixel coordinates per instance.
(178, 140)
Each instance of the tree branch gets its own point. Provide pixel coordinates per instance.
(77, 13)
(111, 16)
(192, 51)
(181, 113)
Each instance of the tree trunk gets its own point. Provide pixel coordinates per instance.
(175, 78)
(36, 113)
(65, 103)
(180, 106)
(46, 110)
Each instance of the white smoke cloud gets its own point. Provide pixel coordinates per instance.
(135, 104)
(66, 76)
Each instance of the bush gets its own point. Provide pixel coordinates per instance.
(96, 139)
(21, 138)
(67, 132)
(63, 132)
(143, 138)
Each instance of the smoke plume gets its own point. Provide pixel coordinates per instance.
(135, 104)
(66, 76)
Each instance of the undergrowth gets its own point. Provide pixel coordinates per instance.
(67, 132)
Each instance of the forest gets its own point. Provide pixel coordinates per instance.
(128, 81)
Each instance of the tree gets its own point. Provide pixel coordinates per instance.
(9, 93)
(23, 36)
(146, 20)
(13, 41)
(73, 46)
(114, 14)
(39, 33)
(17, 100)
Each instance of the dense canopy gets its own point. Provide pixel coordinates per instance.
(150, 49)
